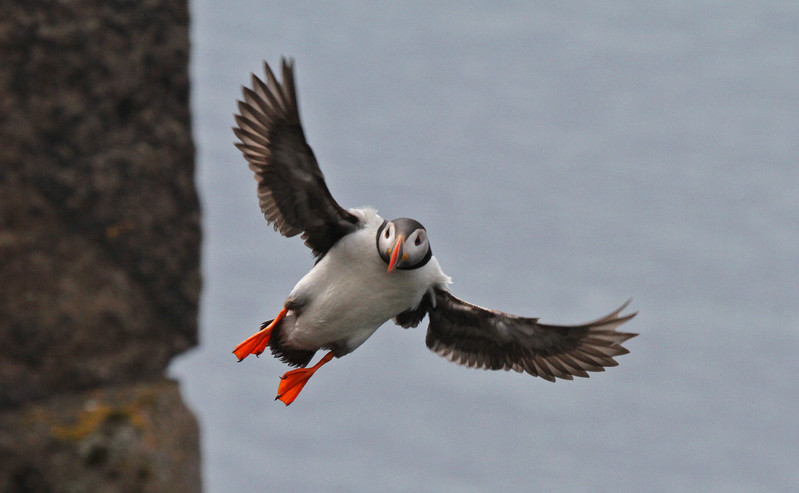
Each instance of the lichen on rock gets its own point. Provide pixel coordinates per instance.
(99, 245)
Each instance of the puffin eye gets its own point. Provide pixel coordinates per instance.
(418, 240)
(386, 235)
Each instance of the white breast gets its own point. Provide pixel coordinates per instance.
(349, 293)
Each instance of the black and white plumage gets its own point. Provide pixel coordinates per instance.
(291, 189)
(370, 270)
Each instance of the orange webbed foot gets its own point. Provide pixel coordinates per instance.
(291, 383)
(256, 343)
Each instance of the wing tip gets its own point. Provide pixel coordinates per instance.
(593, 351)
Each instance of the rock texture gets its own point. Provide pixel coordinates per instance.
(99, 246)
(132, 438)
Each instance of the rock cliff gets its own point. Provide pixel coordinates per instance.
(99, 246)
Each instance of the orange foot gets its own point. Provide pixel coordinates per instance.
(292, 382)
(256, 343)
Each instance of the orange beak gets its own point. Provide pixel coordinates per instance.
(396, 253)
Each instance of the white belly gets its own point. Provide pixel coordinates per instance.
(349, 293)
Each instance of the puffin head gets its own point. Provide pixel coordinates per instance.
(402, 244)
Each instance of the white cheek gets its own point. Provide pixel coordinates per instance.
(417, 251)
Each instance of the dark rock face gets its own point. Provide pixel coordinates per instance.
(99, 228)
(99, 219)
(136, 438)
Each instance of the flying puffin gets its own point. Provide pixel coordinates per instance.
(369, 270)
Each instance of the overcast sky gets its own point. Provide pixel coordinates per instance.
(563, 156)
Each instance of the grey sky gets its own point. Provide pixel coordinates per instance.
(563, 156)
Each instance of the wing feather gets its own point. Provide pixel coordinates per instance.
(481, 338)
(292, 192)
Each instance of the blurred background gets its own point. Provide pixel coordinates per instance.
(563, 156)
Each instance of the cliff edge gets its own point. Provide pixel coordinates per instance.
(99, 246)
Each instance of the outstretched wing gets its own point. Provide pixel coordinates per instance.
(481, 338)
(291, 188)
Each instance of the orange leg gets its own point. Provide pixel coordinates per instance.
(292, 382)
(257, 342)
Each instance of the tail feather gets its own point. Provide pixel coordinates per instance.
(281, 350)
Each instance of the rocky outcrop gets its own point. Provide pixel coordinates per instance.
(128, 438)
(99, 246)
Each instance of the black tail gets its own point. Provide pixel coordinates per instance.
(279, 347)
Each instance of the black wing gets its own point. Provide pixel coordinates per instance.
(413, 316)
(480, 338)
(291, 189)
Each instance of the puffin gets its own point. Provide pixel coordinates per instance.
(369, 270)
